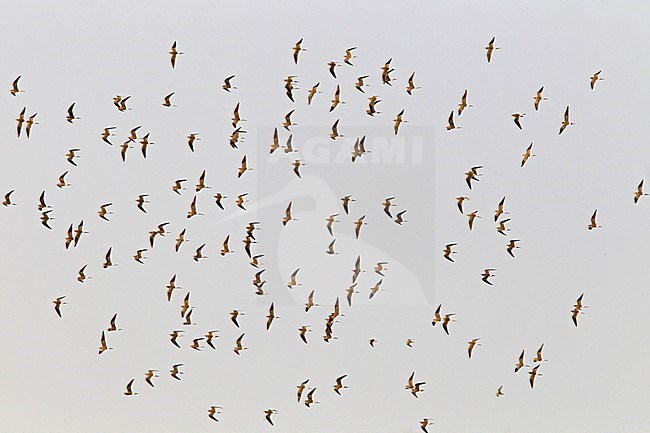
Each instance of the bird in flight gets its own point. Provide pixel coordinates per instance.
(57, 304)
(167, 100)
(297, 49)
(129, 388)
(538, 98)
(592, 223)
(533, 373)
(511, 246)
(639, 192)
(448, 251)
(227, 85)
(463, 103)
(517, 117)
(173, 53)
(349, 56)
(490, 48)
(594, 78)
(70, 117)
(527, 154)
(14, 87)
(487, 273)
(472, 343)
(500, 391)
(520, 362)
(339, 384)
(411, 86)
(269, 412)
(566, 121)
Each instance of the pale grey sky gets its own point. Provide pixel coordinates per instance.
(88, 52)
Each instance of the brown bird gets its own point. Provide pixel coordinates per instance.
(310, 302)
(175, 372)
(398, 121)
(292, 280)
(436, 316)
(349, 56)
(270, 412)
(225, 250)
(335, 130)
(639, 192)
(150, 374)
(180, 239)
(287, 215)
(339, 384)
(538, 98)
(594, 78)
(20, 120)
(313, 91)
(296, 50)
(357, 226)
(360, 83)
(527, 154)
(424, 423)
(411, 87)
(271, 316)
(238, 345)
(167, 100)
(487, 273)
(330, 221)
(520, 362)
(310, 398)
(7, 200)
(332, 65)
(103, 347)
(174, 52)
(199, 254)
(517, 117)
(62, 183)
(178, 186)
(398, 219)
(501, 228)
(113, 327)
(235, 117)
(337, 98)
(108, 263)
(448, 251)
(592, 224)
(490, 48)
(192, 212)
(171, 287)
(346, 202)
(191, 139)
(45, 218)
(209, 337)
(29, 123)
(459, 202)
(472, 216)
(463, 103)
(566, 121)
(57, 304)
(129, 388)
(500, 391)
(70, 117)
(234, 314)
(450, 122)
(539, 357)
(212, 411)
(499, 211)
(141, 200)
(175, 335)
(511, 246)
(138, 257)
(533, 373)
(103, 211)
(82, 275)
(472, 343)
(14, 87)
(303, 336)
(287, 121)
(226, 84)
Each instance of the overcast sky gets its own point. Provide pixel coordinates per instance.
(52, 378)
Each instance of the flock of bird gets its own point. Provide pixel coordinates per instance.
(74, 234)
